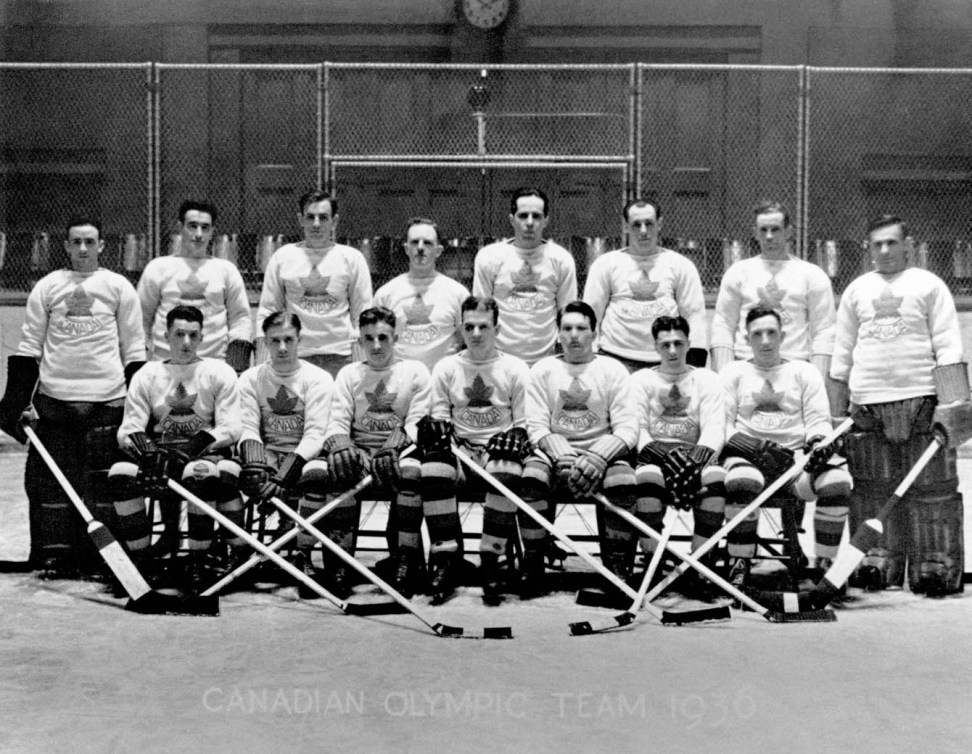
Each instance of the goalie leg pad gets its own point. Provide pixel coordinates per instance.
(55, 526)
(904, 419)
(884, 564)
(937, 534)
(100, 448)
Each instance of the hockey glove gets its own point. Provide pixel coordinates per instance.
(586, 473)
(178, 456)
(22, 374)
(151, 464)
(769, 457)
(345, 460)
(954, 421)
(435, 436)
(653, 454)
(254, 469)
(683, 474)
(818, 457)
(511, 445)
(561, 454)
(384, 464)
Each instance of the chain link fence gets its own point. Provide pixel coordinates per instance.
(881, 141)
(128, 143)
(74, 140)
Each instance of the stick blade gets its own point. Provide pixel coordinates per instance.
(586, 628)
(804, 616)
(681, 617)
(382, 605)
(596, 597)
(458, 632)
(156, 603)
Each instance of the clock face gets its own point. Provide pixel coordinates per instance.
(485, 14)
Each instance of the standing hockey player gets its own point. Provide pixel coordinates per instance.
(426, 302)
(285, 405)
(899, 355)
(582, 421)
(774, 408)
(683, 425)
(182, 419)
(478, 397)
(530, 278)
(193, 278)
(325, 283)
(629, 288)
(800, 292)
(377, 405)
(82, 339)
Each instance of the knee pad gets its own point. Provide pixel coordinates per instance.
(742, 478)
(313, 478)
(507, 472)
(227, 482)
(439, 478)
(537, 478)
(713, 481)
(649, 480)
(201, 477)
(619, 480)
(411, 479)
(832, 482)
(123, 481)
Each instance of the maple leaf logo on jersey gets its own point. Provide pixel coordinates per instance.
(79, 303)
(575, 398)
(525, 279)
(479, 394)
(771, 295)
(674, 404)
(886, 306)
(767, 400)
(644, 288)
(418, 313)
(192, 288)
(315, 284)
(283, 403)
(180, 401)
(380, 401)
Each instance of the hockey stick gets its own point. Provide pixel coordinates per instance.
(143, 599)
(693, 561)
(286, 537)
(784, 479)
(585, 628)
(581, 553)
(440, 629)
(867, 536)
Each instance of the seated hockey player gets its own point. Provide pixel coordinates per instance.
(583, 424)
(683, 425)
(775, 408)
(182, 419)
(478, 399)
(285, 406)
(899, 363)
(377, 405)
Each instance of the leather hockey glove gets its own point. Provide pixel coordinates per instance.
(954, 421)
(151, 464)
(178, 457)
(254, 469)
(769, 457)
(435, 436)
(589, 467)
(653, 454)
(683, 474)
(22, 374)
(346, 461)
(818, 457)
(560, 452)
(511, 445)
(384, 464)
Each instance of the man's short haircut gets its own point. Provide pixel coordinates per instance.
(313, 197)
(884, 221)
(281, 319)
(639, 202)
(670, 324)
(183, 311)
(199, 206)
(529, 191)
(765, 206)
(479, 304)
(424, 221)
(578, 307)
(377, 314)
(79, 220)
(763, 311)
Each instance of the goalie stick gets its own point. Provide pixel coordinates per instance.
(687, 617)
(142, 598)
(496, 632)
(867, 536)
(784, 479)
